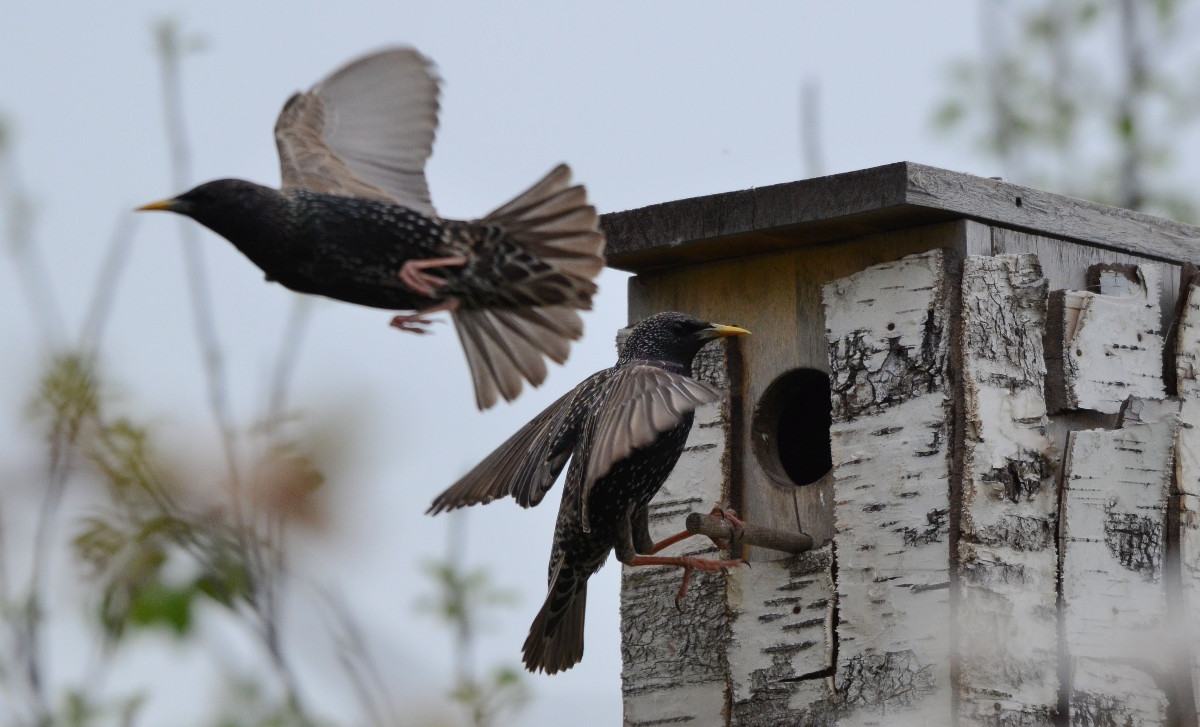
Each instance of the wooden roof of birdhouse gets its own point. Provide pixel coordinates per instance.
(891, 197)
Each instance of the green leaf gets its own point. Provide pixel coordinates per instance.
(225, 583)
(157, 604)
(98, 542)
(949, 115)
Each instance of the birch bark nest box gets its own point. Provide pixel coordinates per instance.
(982, 401)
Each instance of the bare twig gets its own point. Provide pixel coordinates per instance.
(31, 269)
(464, 626)
(98, 310)
(810, 127)
(361, 669)
(35, 282)
(172, 46)
(285, 360)
(171, 49)
(1131, 191)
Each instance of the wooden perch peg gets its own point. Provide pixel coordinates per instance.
(719, 528)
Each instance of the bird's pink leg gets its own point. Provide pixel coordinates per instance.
(413, 322)
(725, 513)
(668, 542)
(688, 564)
(412, 274)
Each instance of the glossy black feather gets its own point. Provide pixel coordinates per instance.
(354, 209)
(625, 428)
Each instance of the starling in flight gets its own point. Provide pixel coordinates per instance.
(623, 429)
(353, 221)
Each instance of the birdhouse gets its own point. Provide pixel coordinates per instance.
(981, 402)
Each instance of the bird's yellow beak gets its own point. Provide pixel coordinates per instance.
(717, 330)
(165, 205)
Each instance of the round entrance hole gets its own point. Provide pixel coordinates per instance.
(791, 428)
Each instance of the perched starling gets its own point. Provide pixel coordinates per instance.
(623, 428)
(353, 221)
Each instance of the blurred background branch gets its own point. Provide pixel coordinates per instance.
(1083, 97)
(462, 598)
(156, 543)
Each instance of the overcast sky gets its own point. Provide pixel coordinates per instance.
(647, 101)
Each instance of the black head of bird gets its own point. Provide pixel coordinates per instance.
(672, 337)
(233, 208)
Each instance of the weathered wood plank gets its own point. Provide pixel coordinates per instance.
(1187, 346)
(1054, 215)
(1007, 624)
(978, 238)
(888, 335)
(890, 197)
(1116, 485)
(1109, 344)
(673, 660)
(1186, 609)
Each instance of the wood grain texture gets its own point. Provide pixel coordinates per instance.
(1186, 606)
(886, 198)
(888, 331)
(673, 660)
(1116, 485)
(1187, 346)
(1006, 616)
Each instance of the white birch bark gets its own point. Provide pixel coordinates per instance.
(887, 332)
(673, 660)
(1007, 625)
(1111, 341)
(779, 649)
(1114, 600)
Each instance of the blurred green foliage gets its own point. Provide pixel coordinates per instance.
(160, 547)
(1084, 97)
(461, 600)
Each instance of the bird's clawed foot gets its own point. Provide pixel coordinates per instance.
(689, 564)
(415, 322)
(736, 526)
(413, 274)
(728, 514)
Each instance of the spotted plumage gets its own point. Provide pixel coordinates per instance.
(353, 221)
(624, 429)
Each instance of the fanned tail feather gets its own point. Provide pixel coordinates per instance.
(506, 346)
(553, 220)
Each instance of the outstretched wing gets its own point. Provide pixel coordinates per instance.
(365, 131)
(641, 402)
(528, 463)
